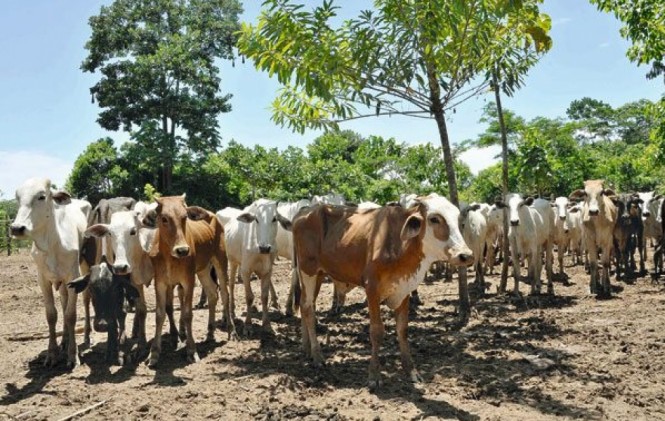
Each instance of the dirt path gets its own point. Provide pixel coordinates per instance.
(570, 356)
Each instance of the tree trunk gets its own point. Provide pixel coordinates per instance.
(504, 184)
(167, 165)
(437, 111)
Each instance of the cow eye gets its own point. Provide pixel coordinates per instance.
(132, 231)
(165, 220)
(274, 219)
(42, 197)
(434, 220)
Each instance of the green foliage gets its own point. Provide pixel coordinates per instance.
(97, 172)
(150, 193)
(159, 74)
(644, 26)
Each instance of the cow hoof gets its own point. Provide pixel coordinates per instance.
(153, 360)
(51, 359)
(415, 376)
(87, 342)
(275, 305)
(73, 363)
(288, 312)
(233, 336)
(210, 337)
(247, 330)
(193, 358)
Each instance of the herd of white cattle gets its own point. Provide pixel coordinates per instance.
(593, 221)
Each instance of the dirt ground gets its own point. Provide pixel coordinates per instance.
(571, 356)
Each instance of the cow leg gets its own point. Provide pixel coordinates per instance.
(592, 258)
(339, 298)
(224, 285)
(140, 317)
(274, 302)
(376, 333)
(516, 265)
(249, 300)
(52, 320)
(642, 250)
(266, 287)
(308, 321)
(161, 297)
(233, 277)
(606, 270)
(174, 334)
(292, 291)
(186, 316)
(210, 289)
(70, 325)
(549, 263)
(401, 325)
(86, 308)
(182, 334)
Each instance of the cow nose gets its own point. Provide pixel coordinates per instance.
(100, 325)
(565, 231)
(593, 212)
(464, 257)
(646, 213)
(514, 222)
(264, 249)
(563, 218)
(182, 251)
(121, 269)
(17, 230)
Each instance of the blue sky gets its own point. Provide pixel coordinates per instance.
(47, 117)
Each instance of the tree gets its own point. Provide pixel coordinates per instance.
(645, 27)
(411, 58)
(157, 61)
(97, 172)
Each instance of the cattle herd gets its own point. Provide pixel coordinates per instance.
(112, 252)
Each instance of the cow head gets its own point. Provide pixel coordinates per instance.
(561, 205)
(592, 194)
(263, 213)
(464, 214)
(127, 237)
(514, 202)
(170, 216)
(442, 237)
(36, 205)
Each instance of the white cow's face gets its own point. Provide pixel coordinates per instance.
(514, 202)
(593, 193)
(561, 205)
(329, 199)
(35, 206)
(443, 238)
(264, 214)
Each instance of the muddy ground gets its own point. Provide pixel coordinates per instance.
(571, 356)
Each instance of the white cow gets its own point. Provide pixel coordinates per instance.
(131, 242)
(368, 205)
(562, 231)
(250, 245)
(575, 233)
(652, 228)
(493, 237)
(56, 229)
(531, 232)
(329, 199)
(473, 224)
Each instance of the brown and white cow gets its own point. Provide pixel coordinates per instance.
(599, 217)
(187, 241)
(55, 225)
(387, 251)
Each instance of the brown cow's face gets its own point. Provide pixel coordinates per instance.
(443, 239)
(172, 223)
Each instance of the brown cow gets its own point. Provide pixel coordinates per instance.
(386, 250)
(599, 217)
(187, 241)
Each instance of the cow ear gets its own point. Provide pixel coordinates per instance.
(574, 209)
(474, 207)
(609, 192)
(79, 284)
(412, 227)
(97, 230)
(197, 213)
(284, 222)
(150, 219)
(61, 198)
(528, 201)
(246, 217)
(579, 193)
(393, 203)
(658, 197)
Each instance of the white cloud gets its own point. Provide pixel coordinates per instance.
(17, 166)
(479, 159)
